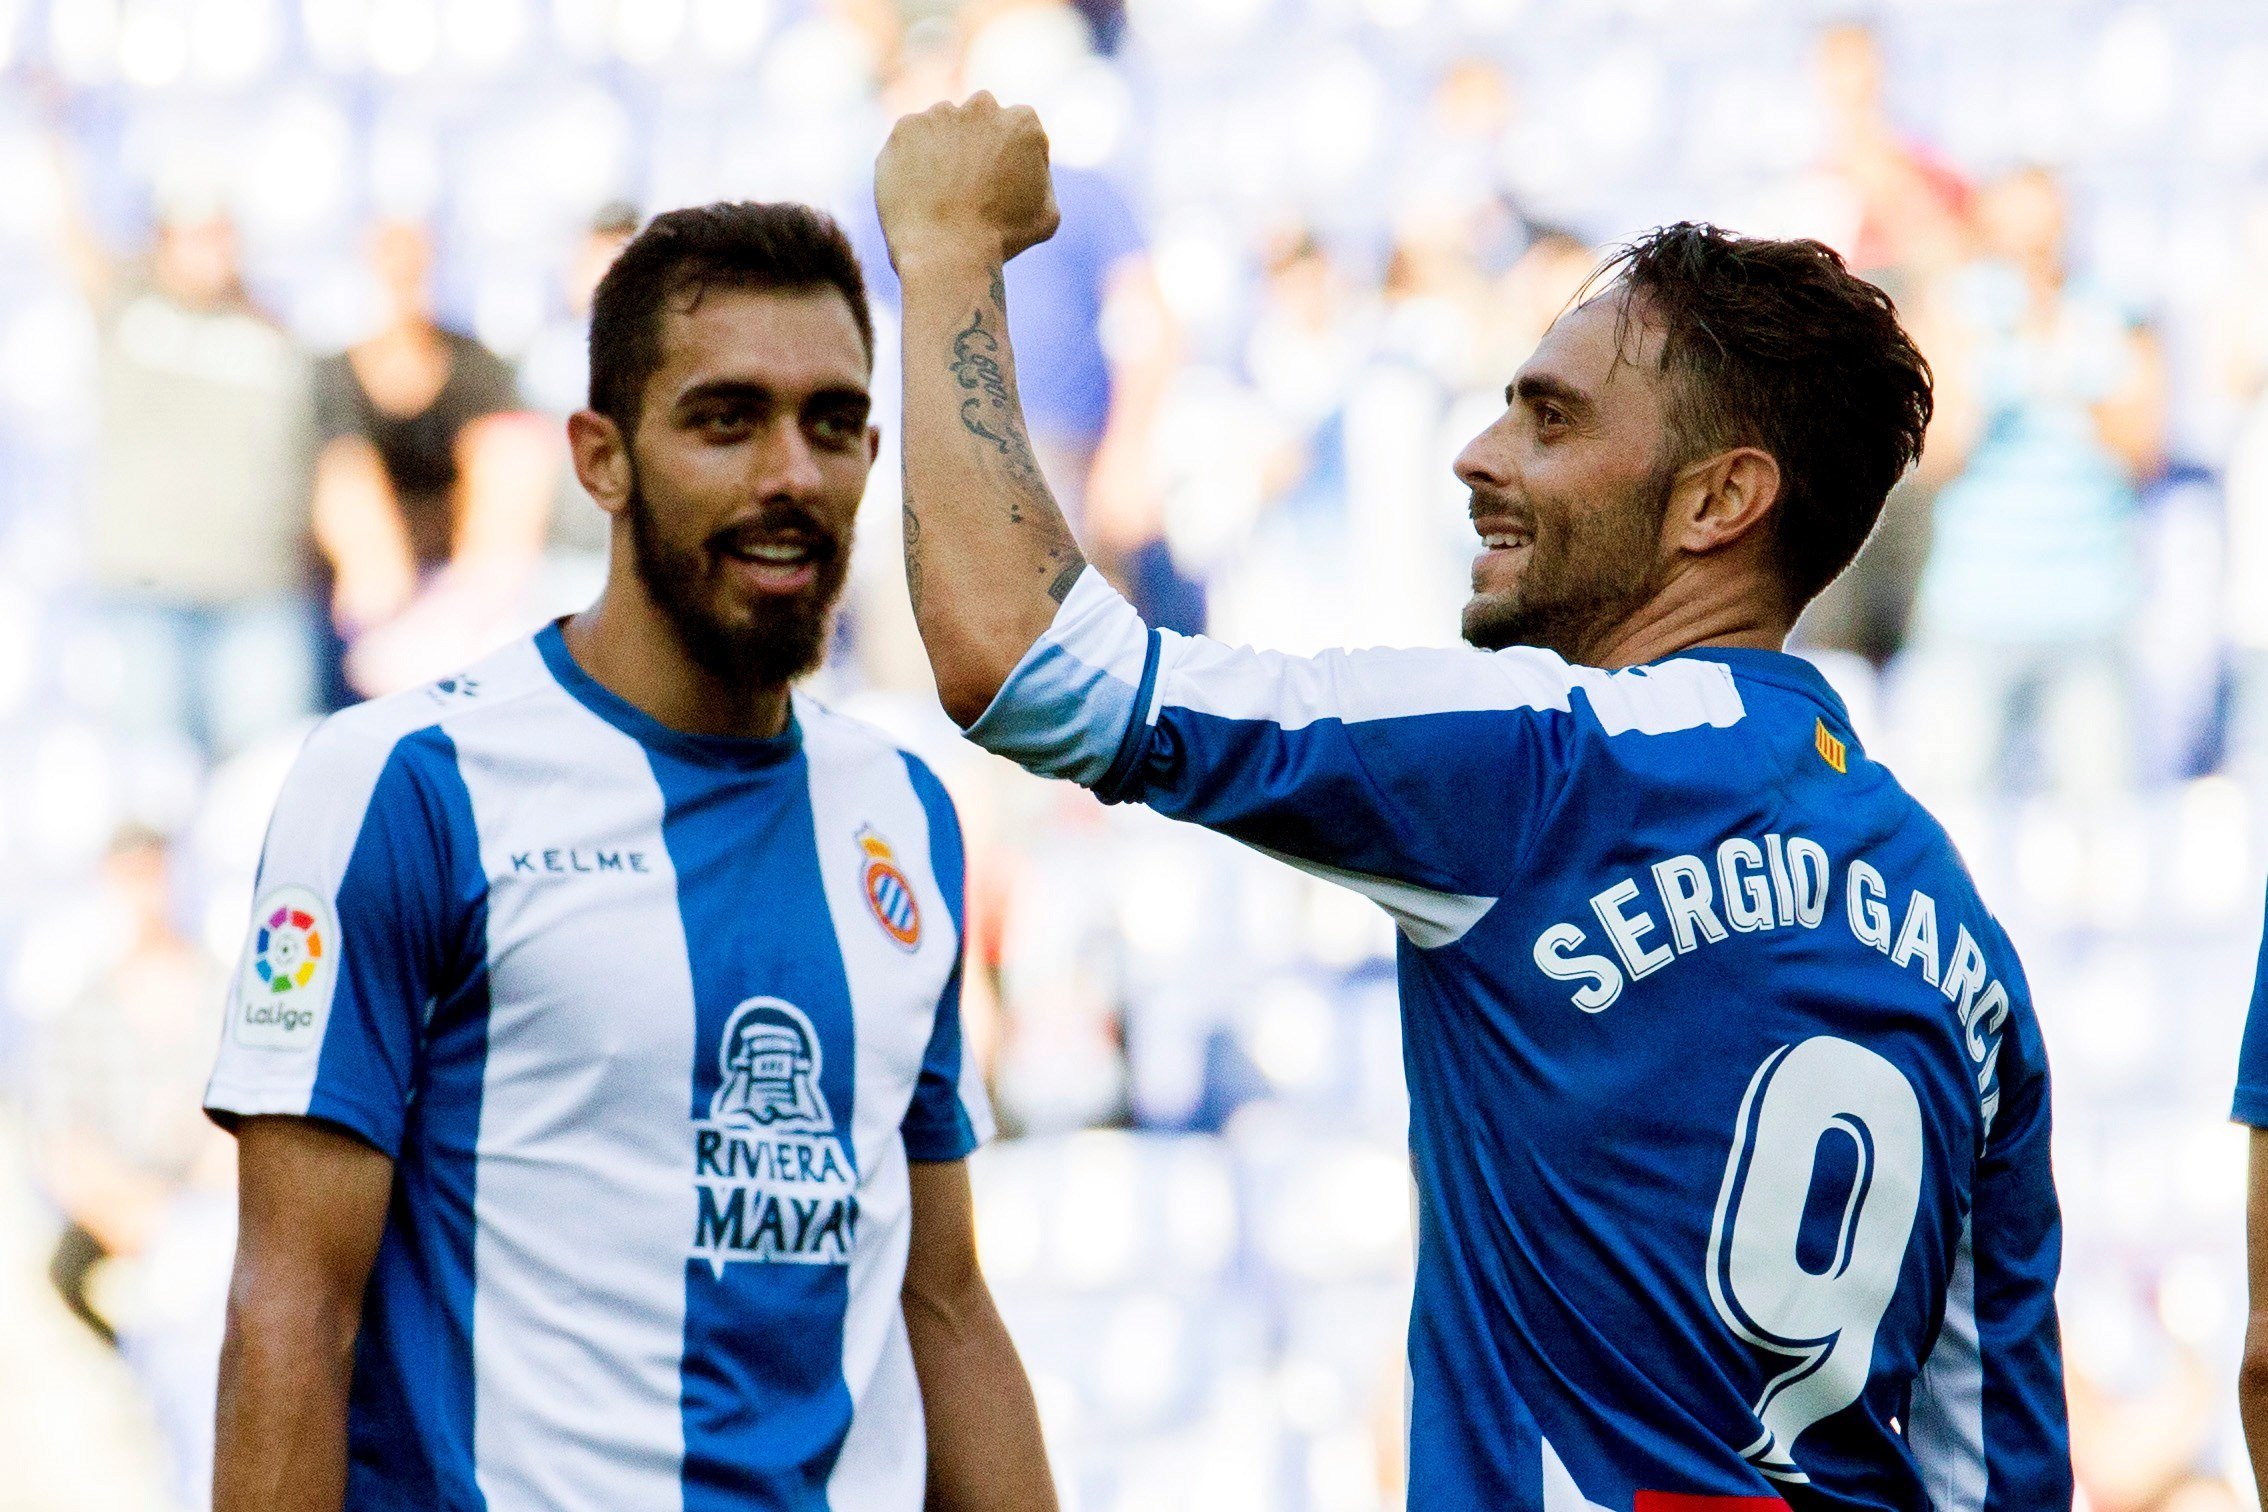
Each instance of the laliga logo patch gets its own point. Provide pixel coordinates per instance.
(889, 896)
(284, 989)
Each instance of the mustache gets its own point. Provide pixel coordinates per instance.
(775, 521)
(1487, 504)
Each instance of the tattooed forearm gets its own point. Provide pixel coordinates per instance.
(913, 555)
(975, 378)
(990, 413)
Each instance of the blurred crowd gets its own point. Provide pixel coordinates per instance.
(291, 304)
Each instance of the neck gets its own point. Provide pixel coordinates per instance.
(633, 652)
(1684, 615)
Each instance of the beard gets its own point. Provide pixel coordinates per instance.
(769, 640)
(1587, 570)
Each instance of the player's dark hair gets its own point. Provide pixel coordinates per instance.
(1777, 345)
(682, 254)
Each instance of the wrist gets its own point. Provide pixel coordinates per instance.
(944, 260)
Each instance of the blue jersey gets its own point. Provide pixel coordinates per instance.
(2252, 1059)
(651, 1024)
(1729, 1112)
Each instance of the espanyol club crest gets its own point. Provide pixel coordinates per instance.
(889, 896)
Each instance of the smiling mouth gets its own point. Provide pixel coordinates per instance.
(772, 562)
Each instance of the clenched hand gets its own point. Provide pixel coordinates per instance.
(957, 182)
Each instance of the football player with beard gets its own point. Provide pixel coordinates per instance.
(595, 1055)
(1728, 1109)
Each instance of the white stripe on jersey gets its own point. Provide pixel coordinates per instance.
(1356, 687)
(576, 1388)
(1429, 919)
(1560, 1493)
(1945, 1424)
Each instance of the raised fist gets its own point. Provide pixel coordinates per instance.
(961, 180)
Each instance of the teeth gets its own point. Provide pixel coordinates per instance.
(1500, 541)
(778, 555)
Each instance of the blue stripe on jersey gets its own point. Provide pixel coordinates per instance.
(413, 1449)
(765, 1407)
(408, 867)
(937, 1125)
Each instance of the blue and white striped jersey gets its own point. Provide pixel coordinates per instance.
(651, 1024)
(1729, 1112)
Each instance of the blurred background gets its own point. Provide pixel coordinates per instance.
(292, 297)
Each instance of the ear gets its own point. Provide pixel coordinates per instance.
(1723, 500)
(602, 459)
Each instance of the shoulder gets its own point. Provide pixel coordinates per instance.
(350, 749)
(867, 752)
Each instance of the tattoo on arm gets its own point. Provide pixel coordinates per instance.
(990, 413)
(913, 555)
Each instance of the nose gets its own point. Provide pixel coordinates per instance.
(788, 466)
(1486, 460)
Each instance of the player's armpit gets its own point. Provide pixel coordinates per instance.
(985, 1451)
(311, 1204)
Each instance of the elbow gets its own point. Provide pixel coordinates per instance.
(967, 691)
(2252, 1377)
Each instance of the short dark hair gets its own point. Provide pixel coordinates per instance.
(1778, 345)
(728, 245)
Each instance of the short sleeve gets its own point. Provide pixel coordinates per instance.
(949, 1115)
(480, 385)
(2252, 1058)
(365, 892)
(337, 402)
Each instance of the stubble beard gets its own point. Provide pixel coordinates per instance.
(780, 640)
(1585, 576)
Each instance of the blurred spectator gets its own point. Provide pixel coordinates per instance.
(124, 1150)
(2028, 599)
(555, 375)
(433, 490)
(1900, 215)
(1905, 209)
(197, 515)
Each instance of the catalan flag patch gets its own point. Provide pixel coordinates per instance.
(1831, 750)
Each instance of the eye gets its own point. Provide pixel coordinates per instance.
(836, 428)
(721, 420)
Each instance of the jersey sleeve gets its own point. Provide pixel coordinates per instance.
(358, 925)
(1416, 777)
(950, 1114)
(2251, 1105)
(1988, 1424)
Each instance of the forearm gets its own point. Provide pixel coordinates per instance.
(988, 555)
(985, 1449)
(2252, 1396)
(280, 1431)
